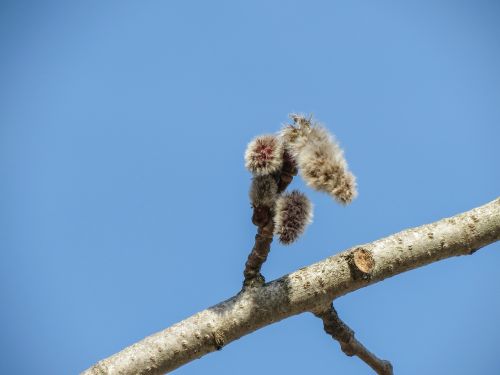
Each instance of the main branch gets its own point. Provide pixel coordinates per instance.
(305, 290)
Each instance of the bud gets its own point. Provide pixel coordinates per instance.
(264, 155)
(293, 214)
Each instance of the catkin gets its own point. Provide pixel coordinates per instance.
(320, 159)
(264, 155)
(263, 191)
(293, 212)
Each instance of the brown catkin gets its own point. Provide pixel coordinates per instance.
(263, 191)
(293, 213)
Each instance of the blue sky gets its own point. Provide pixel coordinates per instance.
(123, 195)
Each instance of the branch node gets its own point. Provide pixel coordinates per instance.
(253, 281)
(219, 339)
(261, 216)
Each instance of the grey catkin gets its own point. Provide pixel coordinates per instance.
(320, 159)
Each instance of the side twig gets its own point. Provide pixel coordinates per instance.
(262, 217)
(335, 327)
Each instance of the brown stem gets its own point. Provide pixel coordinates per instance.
(335, 327)
(262, 217)
(259, 254)
(288, 170)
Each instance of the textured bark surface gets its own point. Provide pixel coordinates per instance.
(305, 290)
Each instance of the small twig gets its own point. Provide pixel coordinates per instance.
(335, 327)
(262, 217)
(259, 253)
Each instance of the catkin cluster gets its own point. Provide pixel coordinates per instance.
(265, 157)
(320, 161)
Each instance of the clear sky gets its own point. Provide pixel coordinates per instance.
(123, 194)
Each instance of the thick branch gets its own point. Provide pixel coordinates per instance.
(305, 290)
(336, 328)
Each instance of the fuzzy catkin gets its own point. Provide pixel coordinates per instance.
(263, 191)
(320, 159)
(293, 212)
(264, 155)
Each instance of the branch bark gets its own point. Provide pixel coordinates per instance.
(305, 290)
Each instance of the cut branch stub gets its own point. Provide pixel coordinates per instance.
(361, 263)
(363, 259)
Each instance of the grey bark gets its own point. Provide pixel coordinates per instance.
(308, 289)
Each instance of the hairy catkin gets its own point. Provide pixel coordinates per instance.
(320, 159)
(263, 191)
(293, 212)
(264, 155)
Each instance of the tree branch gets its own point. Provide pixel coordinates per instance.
(336, 328)
(305, 290)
